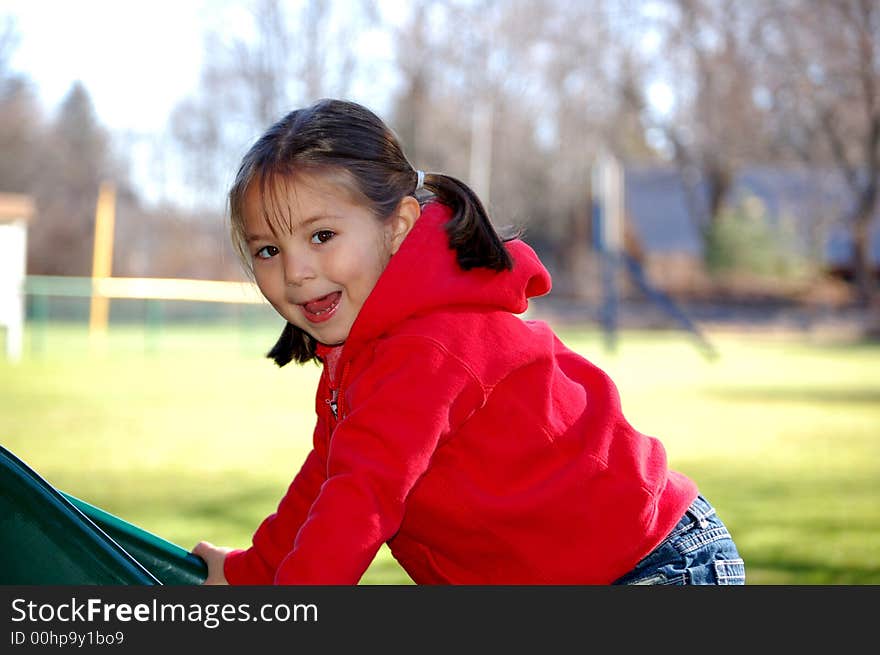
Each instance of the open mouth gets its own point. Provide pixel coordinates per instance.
(321, 309)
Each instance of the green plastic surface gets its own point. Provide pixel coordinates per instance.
(49, 537)
(164, 559)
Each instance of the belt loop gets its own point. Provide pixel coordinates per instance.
(699, 514)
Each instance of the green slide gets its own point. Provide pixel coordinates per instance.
(48, 537)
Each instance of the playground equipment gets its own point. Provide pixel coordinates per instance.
(48, 537)
(608, 241)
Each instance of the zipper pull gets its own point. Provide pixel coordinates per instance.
(332, 402)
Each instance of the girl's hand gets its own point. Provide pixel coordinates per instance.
(214, 557)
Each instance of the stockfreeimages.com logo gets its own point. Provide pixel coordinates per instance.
(209, 615)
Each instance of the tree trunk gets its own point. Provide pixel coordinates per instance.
(861, 257)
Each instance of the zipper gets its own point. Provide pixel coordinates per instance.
(340, 393)
(338, 412)
(335, 394)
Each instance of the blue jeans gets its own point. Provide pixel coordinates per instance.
(698, 551)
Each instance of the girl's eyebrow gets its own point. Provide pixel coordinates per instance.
(305, 223)
(318, 217)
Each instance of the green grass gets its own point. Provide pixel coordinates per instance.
(192, 434)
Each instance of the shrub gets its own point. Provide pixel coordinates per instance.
(747, 239)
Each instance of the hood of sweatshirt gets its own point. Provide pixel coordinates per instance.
(424, 275)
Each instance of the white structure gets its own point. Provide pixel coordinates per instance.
(15, 212)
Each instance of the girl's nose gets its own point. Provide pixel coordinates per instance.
(297, 270)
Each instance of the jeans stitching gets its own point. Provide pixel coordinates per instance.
(700, 514)
(730, 572)
(699, 529)
(730, 569)
(700, 539)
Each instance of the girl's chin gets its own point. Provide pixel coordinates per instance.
(330, 338)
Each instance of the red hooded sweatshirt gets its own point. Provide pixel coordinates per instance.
(473, 442)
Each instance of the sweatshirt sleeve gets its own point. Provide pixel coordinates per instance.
(274, 538)
(396, 413)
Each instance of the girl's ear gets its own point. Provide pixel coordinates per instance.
(405, 216)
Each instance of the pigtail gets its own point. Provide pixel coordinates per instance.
(293, 344)
(470, 232)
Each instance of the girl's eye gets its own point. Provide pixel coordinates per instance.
(266, 252)
(322, 236)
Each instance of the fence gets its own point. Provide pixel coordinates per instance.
(151, 304)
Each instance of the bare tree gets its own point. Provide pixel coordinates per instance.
(20, 120)
(74, 159)
(419, 56)
(464, 107)
(588, 85)
(294, 55)
(713, 125)
(516, 97)
(822, 79)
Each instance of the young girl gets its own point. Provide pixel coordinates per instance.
(471, 441)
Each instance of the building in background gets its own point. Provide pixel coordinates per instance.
(15, 212)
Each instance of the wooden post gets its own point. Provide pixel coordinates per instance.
(102, 263)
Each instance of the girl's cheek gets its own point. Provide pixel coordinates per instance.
(262, 274)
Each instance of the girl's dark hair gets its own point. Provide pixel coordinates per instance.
(354, 145)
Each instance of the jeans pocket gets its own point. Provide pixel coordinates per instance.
(730, 571)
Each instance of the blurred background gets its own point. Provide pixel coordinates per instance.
(701, 178)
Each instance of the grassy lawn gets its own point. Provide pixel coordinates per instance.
(191, 434)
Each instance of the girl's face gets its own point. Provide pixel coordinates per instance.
(325, 254)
